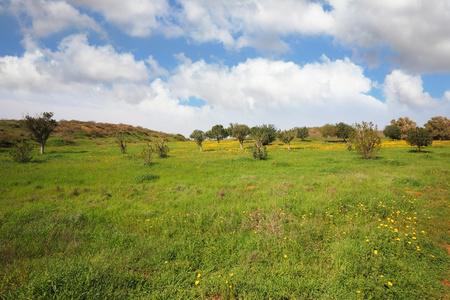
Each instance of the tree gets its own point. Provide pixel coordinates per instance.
(161, 148)
(365, 139)
(217, 132)
(419, 137)
(198, 136)
(344, 131)
(121, 140)
(240, 132)
(439, 128)
(21, 153)
(393, 132)
(40, 127)
(286, 137)
(259, 134)
(302, 133)
(328, 130)
(268, 133)
(405, 125)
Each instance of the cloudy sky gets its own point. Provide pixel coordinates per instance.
(180, 65)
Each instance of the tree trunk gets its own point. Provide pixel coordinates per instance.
(289, 146)
(42, 148)
(241, 144)
(201, 149)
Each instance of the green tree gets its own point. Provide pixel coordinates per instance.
(218, 133)
(393, 132)
(328, 130)
(439, 128)
(344, 131)
(40, 127)
(240, 132)
(267, 132)
(286, 136)
(121, 140)
(198, 136)
(302, 133)
(365, 140)
(405, 125)
(419, 137)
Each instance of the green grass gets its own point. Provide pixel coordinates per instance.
(85, 222)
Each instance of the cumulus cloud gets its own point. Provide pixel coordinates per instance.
(417, 33)
(43, 18)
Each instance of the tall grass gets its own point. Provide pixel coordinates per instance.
(85, 221)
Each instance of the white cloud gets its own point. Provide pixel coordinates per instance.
(417, 32)
(135, 17)
(49, 17)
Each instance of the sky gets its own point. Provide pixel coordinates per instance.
(180, 65)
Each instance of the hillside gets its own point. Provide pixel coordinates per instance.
(69, 131)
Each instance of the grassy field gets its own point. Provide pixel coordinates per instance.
(316, 222)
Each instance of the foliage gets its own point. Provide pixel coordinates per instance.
(21, 152)
(365, 140)
(146, 154)
(121, 140)
(405, 124)
(419, 137)
(218, 133)
(302, 133)
(198, 136)
(266, 133)
(439, 128)
(328, 130)
(286, 136)
(240, 132)
(344, 131)
(40, 127)
(161, 148)
(393, 132)
(259, 152)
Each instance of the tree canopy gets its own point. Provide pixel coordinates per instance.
(40, 127)
(419, 137)
(240, 132)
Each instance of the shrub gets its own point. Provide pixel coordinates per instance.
(365, 140)
(419, 137)
(121, 141)
(21, 153)
(393, 132)
(259, 153)
(161, 149)
(302, 133)
(267, 133)
(146, 154)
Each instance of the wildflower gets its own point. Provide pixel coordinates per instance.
(165, 262)
(198, 275)
(414, 238)
(381, 276)
(197, 282)
(375, 252)
(231, 274)
(285, 256)
(390, 283)
(358, 292)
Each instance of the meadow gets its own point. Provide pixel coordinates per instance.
(315, 222)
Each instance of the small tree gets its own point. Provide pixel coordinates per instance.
(217, 132)
(198, 136)
(21, 152)
(393, 132)
(344, 131)
(302, 133)
(40, 127)
(419, 137)
(121, 140)
(269, 133)
(240, 132)
(161, 149)
(365, 139)
(405, 125)
(286, 137)
(259, 134)
(146, 154)
(439, 128)
(328, 130)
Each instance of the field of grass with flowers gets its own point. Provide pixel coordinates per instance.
(315, 222)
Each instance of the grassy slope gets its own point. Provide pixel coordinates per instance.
(315, 222)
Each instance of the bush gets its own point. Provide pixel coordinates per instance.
(21, 153)
(393, 132)
(259, 153)
(302, 133)
(146, 154)
(365, 140)
(419, 137)
(161, 149)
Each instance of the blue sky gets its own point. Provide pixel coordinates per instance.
(181, 65)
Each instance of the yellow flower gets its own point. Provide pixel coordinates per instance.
(231, 274)
(358, 292)
(198, 275)
(197, 282)
(375, 252)
(381, 276)
(390, 283)
(285, 256)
